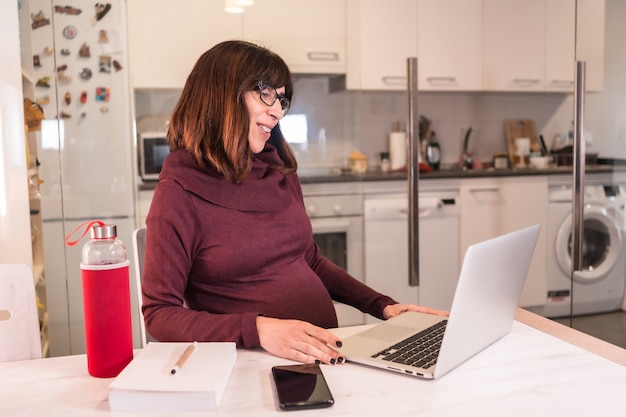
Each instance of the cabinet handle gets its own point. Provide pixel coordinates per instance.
(323, 56)
(526, 81)
(485, 190)
(562, 83)
(393, 80)
(441, 80)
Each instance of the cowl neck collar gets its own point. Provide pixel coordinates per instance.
(264, 190)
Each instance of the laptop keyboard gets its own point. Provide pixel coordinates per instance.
(420, 350)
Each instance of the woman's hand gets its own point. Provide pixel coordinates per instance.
(393, 310)
(297, 340)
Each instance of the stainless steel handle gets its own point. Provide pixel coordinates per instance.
(578, 198)
(413, 172)
(323, 56)
(441, 80)
(526, 80)
(485, 190)
(564, 83)
(394, 80)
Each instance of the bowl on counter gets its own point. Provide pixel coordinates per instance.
(540, 162)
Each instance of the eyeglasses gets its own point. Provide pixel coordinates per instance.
(268, 96)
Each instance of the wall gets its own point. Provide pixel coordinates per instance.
(363, 119)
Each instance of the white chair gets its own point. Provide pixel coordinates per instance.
(139, 248)
(20, 337)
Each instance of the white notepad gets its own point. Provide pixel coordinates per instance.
(147, 383)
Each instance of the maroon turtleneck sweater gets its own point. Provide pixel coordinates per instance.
(234, 252)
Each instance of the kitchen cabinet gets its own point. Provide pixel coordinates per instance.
(309, 35)
(560, 45)
(380, 38)
(450, 45)
(590, 23)
(514, 45)
(498, 205)
(574, 36)
(531, 45)
(166, 38)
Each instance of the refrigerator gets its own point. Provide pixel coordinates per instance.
(75, 57)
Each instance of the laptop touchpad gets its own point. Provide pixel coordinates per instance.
(388, 333)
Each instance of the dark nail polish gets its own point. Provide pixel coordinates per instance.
(332, 361)
(339, 344)
(340, 359)
(317, 361)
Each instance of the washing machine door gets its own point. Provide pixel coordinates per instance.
(602, 243)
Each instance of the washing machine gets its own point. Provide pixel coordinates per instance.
(599, 286)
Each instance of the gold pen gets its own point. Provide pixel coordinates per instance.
(183, 357)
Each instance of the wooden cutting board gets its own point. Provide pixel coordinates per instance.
(521, 128)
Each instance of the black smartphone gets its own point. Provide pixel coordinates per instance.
(301, 387)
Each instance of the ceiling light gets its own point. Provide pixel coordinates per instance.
(237, 6)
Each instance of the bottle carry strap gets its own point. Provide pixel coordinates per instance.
(87, 225)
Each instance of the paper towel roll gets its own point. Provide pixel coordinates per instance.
(397, 150)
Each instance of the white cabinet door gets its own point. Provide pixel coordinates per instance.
(308, 35)
(450, 45)
(514, 45)
(590, 41)
(560, 44)
(381, 36)
(498, 205)
(166, 38)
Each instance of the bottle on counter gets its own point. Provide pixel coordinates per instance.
(385, 162)
(106, 301)
(433, 151)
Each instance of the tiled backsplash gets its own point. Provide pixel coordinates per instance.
(362, 120)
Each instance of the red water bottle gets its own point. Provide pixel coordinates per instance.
(106, 302)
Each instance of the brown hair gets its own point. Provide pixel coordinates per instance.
(211, 120)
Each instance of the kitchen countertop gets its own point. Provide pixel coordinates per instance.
(375, 175)
(315, 176)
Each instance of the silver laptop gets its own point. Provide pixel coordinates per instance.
(487, 294)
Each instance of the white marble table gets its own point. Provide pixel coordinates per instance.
(526, 373)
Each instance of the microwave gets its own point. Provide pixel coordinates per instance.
(153, 149)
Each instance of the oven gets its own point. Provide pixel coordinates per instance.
(337, 222)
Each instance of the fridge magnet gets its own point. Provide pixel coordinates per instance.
(83, 115)
(103, 37)
(102, 10)
(84, 52)
(70, 32)
(64, 115)
(104, 109)
(39, 20)
(67, 10)
(83, 97)
(105, 64)
(68, 98)
(43, 100)
(65, 52)
(43, 82)
(33, 115)
(63, 77)
(61, 68)
(117, 65)
(102, 93)
(48, 50)
(85, 73)
(36, 61)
